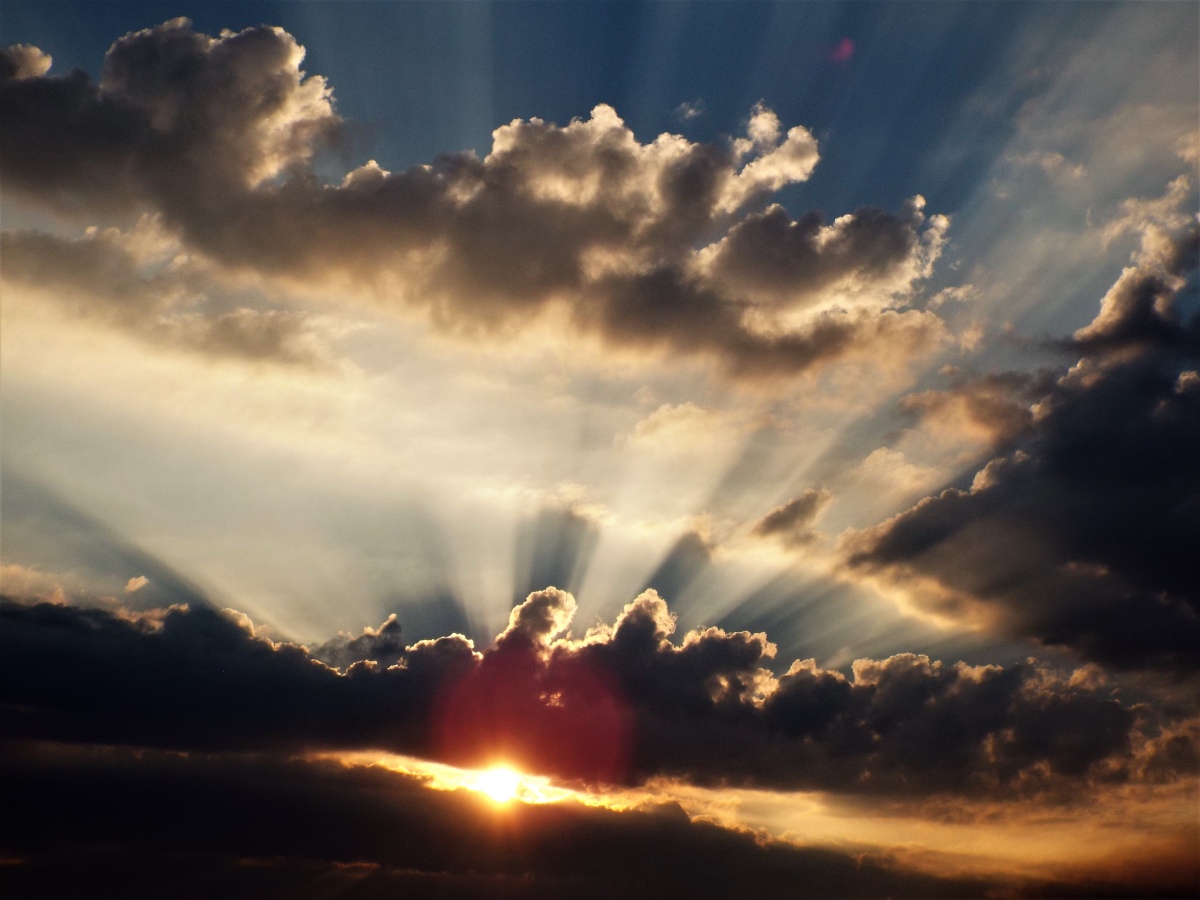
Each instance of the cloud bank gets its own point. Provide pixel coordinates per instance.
(647, 246)
(621, 705)
(1082, 532)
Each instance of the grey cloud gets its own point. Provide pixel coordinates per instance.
(668, 309)
(1140, 312)
(383, 645)
(995, 404)
(539, 619)
(164, 300)
(790, 263)
(22, 61)
(202, 825)
(179, 119)
(217, 135)
(1082, 533)
(624, 704)
(792, 521)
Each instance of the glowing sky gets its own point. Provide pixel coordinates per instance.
(751, 422)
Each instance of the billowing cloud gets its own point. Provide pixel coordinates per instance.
(1081, 534)
(646, 245)
(622, 704)
(23, 61)
(383, 645)
(791, 264)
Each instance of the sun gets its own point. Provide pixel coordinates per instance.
(500, 783)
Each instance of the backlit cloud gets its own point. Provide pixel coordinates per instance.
(653, 246)
(1080, 534)
(622, 704)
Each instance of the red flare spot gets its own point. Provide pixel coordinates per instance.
(842, 52)
(563, 718)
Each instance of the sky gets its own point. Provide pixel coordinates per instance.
(766, 430)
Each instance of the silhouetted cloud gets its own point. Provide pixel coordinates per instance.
(252, 826)
(641, 244)
(1082, 534)
(622, 704)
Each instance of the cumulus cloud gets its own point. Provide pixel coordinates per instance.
(647, 245)
(1081, 533)
(383, 645)
(23, 61)
(789, 264)
(622, 704)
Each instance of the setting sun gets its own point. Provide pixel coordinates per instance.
(500, 783)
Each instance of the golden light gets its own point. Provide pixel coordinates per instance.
(500, 783)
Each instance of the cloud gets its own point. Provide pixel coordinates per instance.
(383, 645)
(792, 522)
(647, 246)
(689, 109)
(252, 826)
(135, 584)
(139, 282)
(993, 408)
(623, 704)
(787, 264)
(23, 61)
(1080, 533)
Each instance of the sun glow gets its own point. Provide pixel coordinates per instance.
(500, 783)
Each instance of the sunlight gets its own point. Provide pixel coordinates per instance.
(500, 783)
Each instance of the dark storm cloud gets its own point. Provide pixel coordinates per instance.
(621, 705)
(99, 277)
(1084, 533)
(253, 826)
(792, 521)
(216, 136)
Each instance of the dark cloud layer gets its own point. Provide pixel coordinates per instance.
(76, 822)
(103, 822)
(619, 706)
(216, 137)
(1084, 533)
